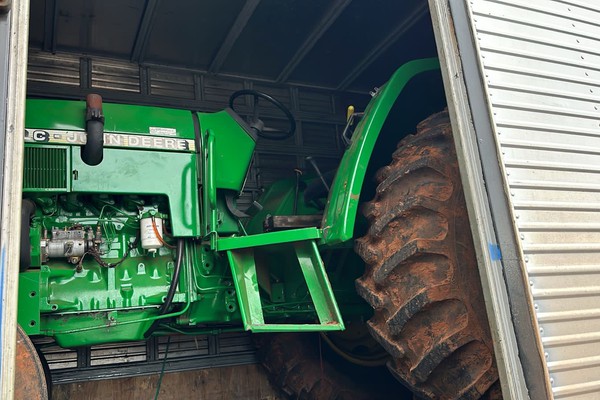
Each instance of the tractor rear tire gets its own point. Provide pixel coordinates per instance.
(298, 365)
(421, 276)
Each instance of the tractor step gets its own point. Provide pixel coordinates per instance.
(243, 267)
(281, 222)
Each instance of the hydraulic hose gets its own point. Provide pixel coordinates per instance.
(172, 288)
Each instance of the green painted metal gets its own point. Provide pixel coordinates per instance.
(209, 188)
(233, 148)
(125, 118)
(244, 271)
(296, 328)
(79, 307)
(318, 284)
(46, 168)
(227, 223)
(343, 266)
(278, 199)
(265, 239)
(89, 302)
(340, 213)
(122, 301)
(89, 329)
(102, 327)
(213, 294)
(29, 303)
(267, 282)
(122, 171)
(134, 284)
(64, 291)
(35, 235)
(145, 173)
(73, 305)
(246, 285)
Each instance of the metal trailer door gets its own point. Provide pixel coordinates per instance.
(523, 83)
(14, 23)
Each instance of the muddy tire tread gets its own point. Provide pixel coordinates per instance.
(421, 276)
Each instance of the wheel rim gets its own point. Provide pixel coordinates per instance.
(356, 345)
(30, 379)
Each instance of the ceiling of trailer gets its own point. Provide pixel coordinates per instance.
(336, 44)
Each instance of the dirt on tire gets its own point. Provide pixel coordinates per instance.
(421, 276)
(298, 364)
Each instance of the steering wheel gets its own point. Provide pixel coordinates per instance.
(256, 124)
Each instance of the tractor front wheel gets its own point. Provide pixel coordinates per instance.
(421, 276)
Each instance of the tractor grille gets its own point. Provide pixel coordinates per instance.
(45, 169)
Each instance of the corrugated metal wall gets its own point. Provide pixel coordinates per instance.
(541, 62)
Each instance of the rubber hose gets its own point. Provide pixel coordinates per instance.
(172, 288)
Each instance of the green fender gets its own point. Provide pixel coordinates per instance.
(340, 214)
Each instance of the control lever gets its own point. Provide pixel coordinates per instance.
(352, 118)
(318, 171)
(296, 190)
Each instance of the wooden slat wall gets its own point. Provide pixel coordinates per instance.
(246, 382)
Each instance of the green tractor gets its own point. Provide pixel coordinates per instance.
(130, 228)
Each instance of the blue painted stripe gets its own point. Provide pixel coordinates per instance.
(495, 253)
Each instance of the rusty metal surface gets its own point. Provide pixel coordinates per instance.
(422, 278)
(280, 222)
(30, 380)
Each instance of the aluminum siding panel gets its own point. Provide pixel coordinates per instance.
(541, 62)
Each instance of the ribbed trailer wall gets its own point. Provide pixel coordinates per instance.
(540, 62)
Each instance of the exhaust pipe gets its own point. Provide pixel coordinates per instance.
(93, 150)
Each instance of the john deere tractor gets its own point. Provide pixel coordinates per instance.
(131, 229)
